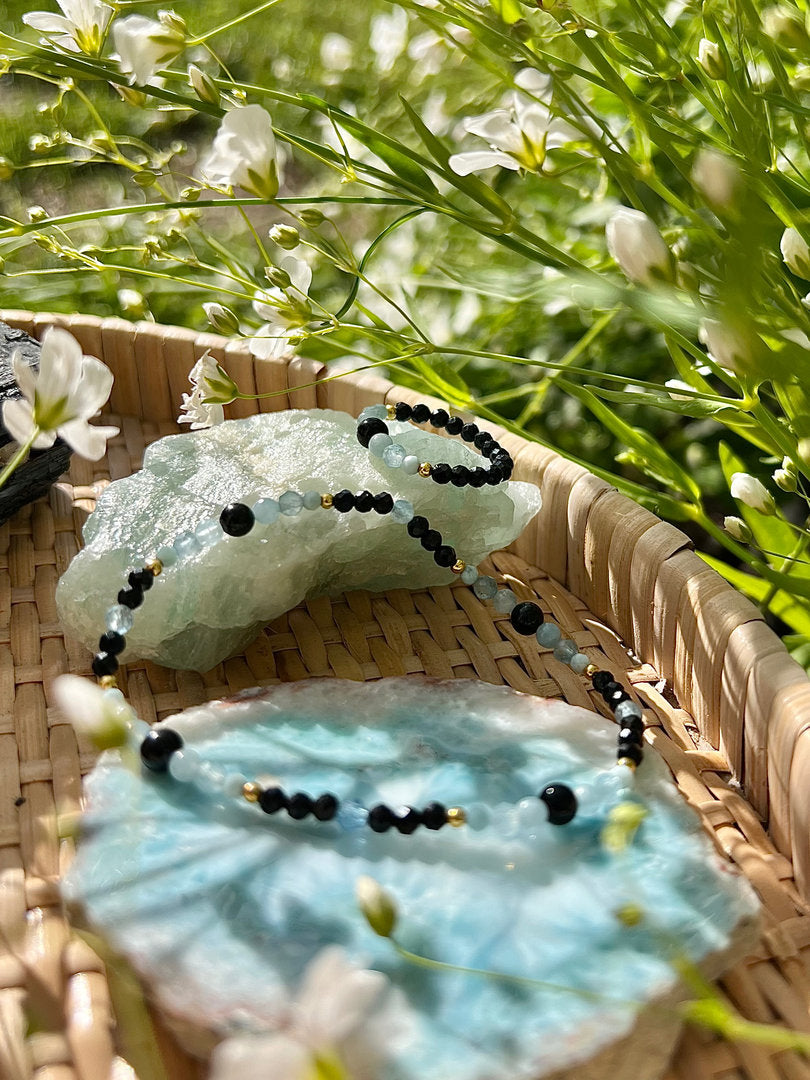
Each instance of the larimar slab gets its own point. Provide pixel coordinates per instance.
(221, 907)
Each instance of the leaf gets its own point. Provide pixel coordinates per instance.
(770, 533)
(443, 379)
(400, 163)
(509, 10)
(695, 407)
(787, 607)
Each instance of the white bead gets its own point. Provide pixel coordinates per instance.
(410, 465)
(377, 443)
(184, 765)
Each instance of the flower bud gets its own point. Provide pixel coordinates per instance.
(637, 246)
(785, 479)
(726, 345)
(786, 26)
(132, 303)
(711, 59)
(795, 253)
(36, 213)
(312, 217)
(6, 169)
(750, 491)
(39, 143)
(172, 21)
(378, 906)
(103, 717)
(278, 277)
(223, 320)
(132, 97)
(145, 178)
(285, 236)
(737, 529)
(717, 178)
(203, 85)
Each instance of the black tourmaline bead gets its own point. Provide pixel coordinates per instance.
(343, 501)
(629, 735)
(493, 451)
(441, 473)
(432, 540)
(112, 643)
(459, 476)
(494, 476)
(526, 617)
(561, 803)
(434, 816)
(634, 724)
(105, 663)
(480, 439)
(299, 805)
(384, 502)
(407, 820)
(363, 501)
(445, 555)
(418, 526)
(325, 807)
(630, 750)
(469, 431)
(601, 679)
(486, 446)
(236, 519)
(141, 579)
(617, 697)
(439, 418)
(478, 477)
(403, 410)
(609, 689)
(454, 425)
(372, 426)
(420, 414)
(381, 818)
(273, 799)
(158, 746)
(131, 598)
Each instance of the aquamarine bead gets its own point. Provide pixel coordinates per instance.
(627, 709)
(351, 816)
(410, 465)
(469, 575)
(377, 443)
(184, 765)
(138, 730)
(312, 500)
(186, 544)
(208, 532)
(403, 511)
(266, 511)
(167, 556)
(378, 412)
(485, 588)
(290, 503)
(579, 662)
(119, 619)
(393, 455)
(504, 601)
(548, 634)
(564, 650)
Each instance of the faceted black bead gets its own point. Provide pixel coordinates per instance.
(617, 697)
(418, 526)
(158, 746)
(363, 501)
(380, 818)
(236, 519)
(634, 723)
(630, 750)
(526, 617)
(407, 820)
(439, 418)
(478, 477)
(143, 579)
(469, 431)
(105, 664)
(441, 473)
(454, 425)
(445, 555)
(403, 410)
(299, 805)
(486, 446)
(112, 643)
(325, 807)
(420, 414)
(434, 816)
(480, 439)
(272, 800)
(631, 735)
(343, 501)
(610, 688)
(459, 476)
(372, 426)
(561, 803)
(494, 476)
(384, 502)
(131, 598)
(493, 451)
(601, 679)
(431, 540)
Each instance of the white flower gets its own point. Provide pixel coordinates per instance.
(796, 253)
(711, 59)
(747, 489)
(285, 311)
(81, 28)
(60, 398)
(726, 346)
(103, 715)
(244, 153)
(212, 387)
(388, 38)
(144, 46)
(337, 52)
(737, 529)
(638, 247)
(340, 1018)
(718, 178)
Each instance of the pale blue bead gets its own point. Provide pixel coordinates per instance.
(184, 765)
(403, 511)
(312, 500)
(469, 575)
(138, 730)
(504, 601)
(377, 443)
(186, 544)
(548, 634)
(564, 650)
(485, 587)
(378, 412)
(478, 816)
(167, 556)
(119, 619)
(579, 662)
(208, 532)
(290, 503)
(393, 455)
(266, 511)
(410, 465)
(351, 816)
(626, 709)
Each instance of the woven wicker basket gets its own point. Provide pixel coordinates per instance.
(626, 586)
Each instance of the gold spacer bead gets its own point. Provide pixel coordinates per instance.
(108, 682)
(326, 502)
(425, 469)
(155, 565)
(251, 791)
(456, 817)
(458, 566)
(391, 411)
(591, 670)
(628, 763)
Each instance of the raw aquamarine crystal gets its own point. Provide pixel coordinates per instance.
(216, 597)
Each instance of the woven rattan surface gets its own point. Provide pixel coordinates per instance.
(718, 683)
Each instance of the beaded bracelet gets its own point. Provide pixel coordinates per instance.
(162, 747)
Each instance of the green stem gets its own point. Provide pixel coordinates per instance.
(787, 564)
(18, 458)
(233, 22)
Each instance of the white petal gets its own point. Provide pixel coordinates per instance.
(270, 343)
(18, 420)
(81, 701)
(60, 366)
(533, 82)
(533, 120)
(24, 374)
(88, 441)
(93, 389)
(261, 1057)
(336, 997)
(47, 23)
(299, 271)
(476, 160)
(496, 127)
